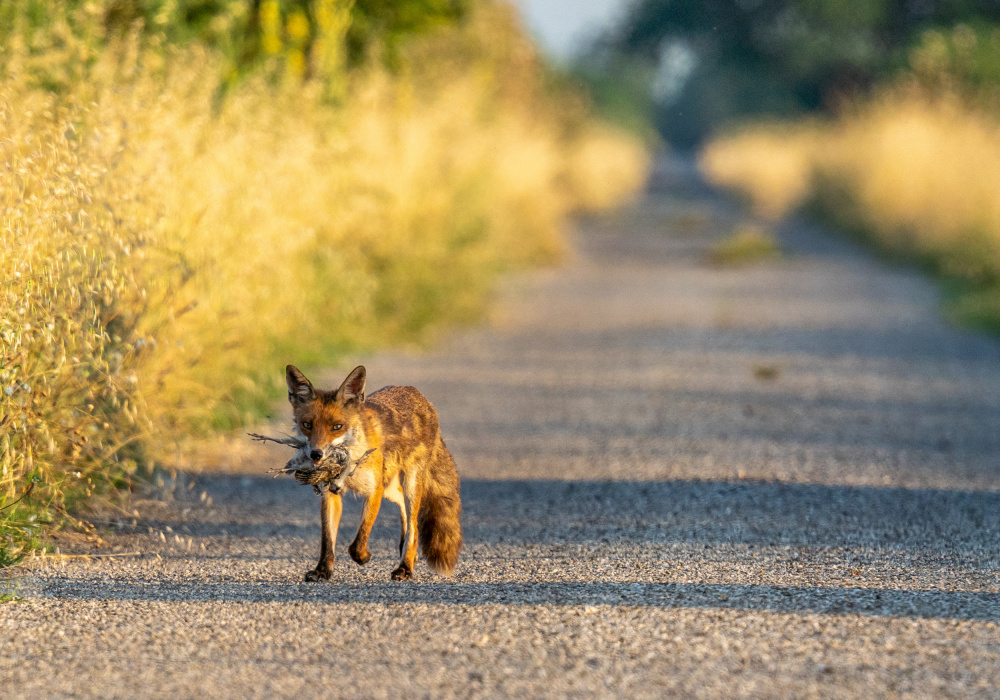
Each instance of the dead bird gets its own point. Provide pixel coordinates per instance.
(331, 473)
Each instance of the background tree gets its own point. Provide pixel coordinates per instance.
(714, 61)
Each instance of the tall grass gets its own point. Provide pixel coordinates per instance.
(165, 252)
(913, 173)
(73, 223)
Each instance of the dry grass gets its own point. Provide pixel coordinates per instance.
(71, 296)
(770, 165)
(916, 175)
(163, 255)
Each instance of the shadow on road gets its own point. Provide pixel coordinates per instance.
(737, 512)
(876, 602)
(931, 521)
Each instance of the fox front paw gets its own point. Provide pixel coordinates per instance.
(318, 574)
(402, 573)
(361, 556)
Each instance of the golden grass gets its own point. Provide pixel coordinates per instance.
(771, 165)
(164, 254)
(70, 406)
(914, 173)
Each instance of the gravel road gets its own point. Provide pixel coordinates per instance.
(778, 480)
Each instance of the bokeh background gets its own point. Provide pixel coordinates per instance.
(880, 117)
(192, 191)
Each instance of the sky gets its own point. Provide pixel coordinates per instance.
(561, 26)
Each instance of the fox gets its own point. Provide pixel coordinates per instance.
(407, 464)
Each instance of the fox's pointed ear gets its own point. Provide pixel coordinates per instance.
(353, 388)
(300, 389)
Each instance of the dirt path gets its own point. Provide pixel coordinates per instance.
(781, 480)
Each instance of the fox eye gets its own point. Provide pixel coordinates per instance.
(307, 425)
(338, 426)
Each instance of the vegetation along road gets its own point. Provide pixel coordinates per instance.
(772, 479)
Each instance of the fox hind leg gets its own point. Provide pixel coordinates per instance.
(394, 494)
(408, 557)
(402, 528)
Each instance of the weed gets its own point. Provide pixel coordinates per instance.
(975, 307)
(749, 244)
(766, 373)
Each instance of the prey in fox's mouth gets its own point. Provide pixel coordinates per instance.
(328, 470)
(331, 467)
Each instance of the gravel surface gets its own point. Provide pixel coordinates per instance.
(777, 480)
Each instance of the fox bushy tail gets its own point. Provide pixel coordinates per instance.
(440, 509)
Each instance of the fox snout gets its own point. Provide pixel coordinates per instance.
(330, 458)
(319, 457)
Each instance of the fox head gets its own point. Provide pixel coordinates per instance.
(328, 419)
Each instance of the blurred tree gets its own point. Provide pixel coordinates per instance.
(748, 57)
(387, 23)
(303, 37)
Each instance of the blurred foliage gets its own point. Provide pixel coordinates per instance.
(962, 60)
(618, 87)
(911, 172)
(784, 57)
(388, 24)
(302, 37)
(902, 141)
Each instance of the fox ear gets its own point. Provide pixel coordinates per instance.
(353, 388)
(300, 389)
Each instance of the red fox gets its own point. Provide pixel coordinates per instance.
(410, 466)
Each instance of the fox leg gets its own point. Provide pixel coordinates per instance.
(402, 528)
(411, 496)
(359, 547)
(329, 514)
(394, 494)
